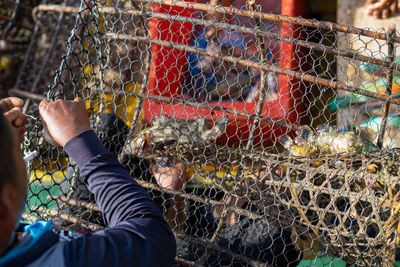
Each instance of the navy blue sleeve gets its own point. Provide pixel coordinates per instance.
(137, 233)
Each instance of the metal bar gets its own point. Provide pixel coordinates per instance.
(329, 26)
(311, 45)
(276, 18)
(263, 78)
(56, 8)
(272, 68)
(39, 97)
(17, 92)
(74, 202)
(268, 16)
(67, 217)
(218, 108)
(26, 105)
(389, 83)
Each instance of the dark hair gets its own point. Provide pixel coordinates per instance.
(7, 163)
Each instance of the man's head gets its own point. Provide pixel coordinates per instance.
(13, 181)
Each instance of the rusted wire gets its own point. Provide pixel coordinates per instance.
(74, 202)
(68, 217)
(17, 92)
(272, 68)
(389, 83)
(350, 54)
(329, 26)
(263, 79)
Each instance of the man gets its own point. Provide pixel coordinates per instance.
(137, 234)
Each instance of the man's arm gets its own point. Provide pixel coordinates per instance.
(138, 234)
(116, 193)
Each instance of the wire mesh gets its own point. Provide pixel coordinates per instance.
(265, 139)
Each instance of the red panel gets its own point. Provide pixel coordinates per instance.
(291, 57)
(168, 65)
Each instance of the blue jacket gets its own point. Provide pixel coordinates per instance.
(136, 234)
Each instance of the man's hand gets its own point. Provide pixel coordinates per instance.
(11, 108)
(64, 119)
(382, 9)
(170, 177)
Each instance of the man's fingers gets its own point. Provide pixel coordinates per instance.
(43, 103)
(78, 99)
(16, 117)
(385, 13)
(10, 102)
(21, 130)
(20, 121)
(43, 106)
(380, 4)
(377, 14)
(393, 8)
(13, 114)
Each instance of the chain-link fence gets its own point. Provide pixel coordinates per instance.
(265, 139)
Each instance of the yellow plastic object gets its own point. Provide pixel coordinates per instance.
(395, 89)
(45, 178)
(127, 110)
(191, 174)
(100, 24)
(124, 105)
(5, 63)
(47, 171)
